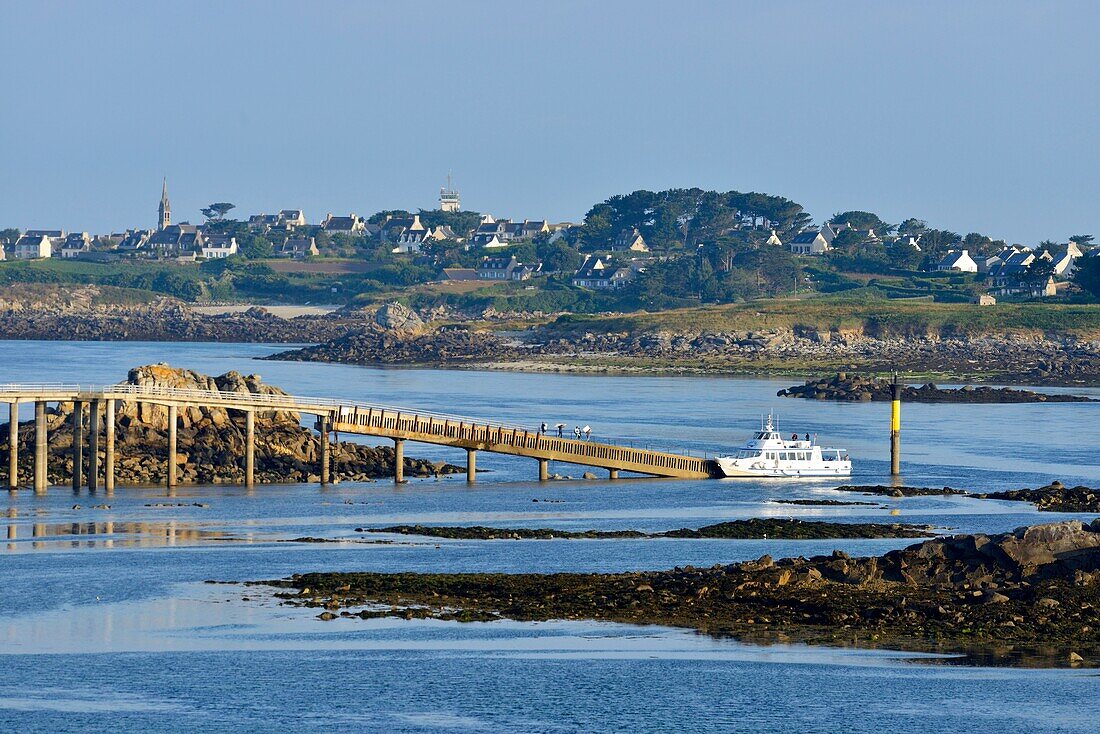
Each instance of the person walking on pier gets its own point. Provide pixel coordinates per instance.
(577, 432)
(560, 427)
(544, 427)
(587, 432)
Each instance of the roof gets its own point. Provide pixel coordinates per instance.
(805, 238)
(498, 263)
(460, 273)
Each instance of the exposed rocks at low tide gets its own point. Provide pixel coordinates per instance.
(210, 441)
(843, 386)
(379, 345)
(1031, 596)
(899, 491)
(754, 528)
(1055, 497)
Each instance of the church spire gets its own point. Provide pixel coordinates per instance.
(165, 210)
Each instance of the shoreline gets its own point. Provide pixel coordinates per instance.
(1030, 597)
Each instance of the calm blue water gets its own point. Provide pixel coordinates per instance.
(105, 623)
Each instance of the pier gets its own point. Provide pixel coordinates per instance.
(94, 409)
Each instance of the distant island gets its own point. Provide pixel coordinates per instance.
(676, 281)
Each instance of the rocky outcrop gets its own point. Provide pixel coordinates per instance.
(759, 528)
(1032, 592)
(844, 386)
(1055, 497)
(398, 317)
(211, 441)
(92, 313)
(377, 345)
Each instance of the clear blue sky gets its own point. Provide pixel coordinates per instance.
(972, 115)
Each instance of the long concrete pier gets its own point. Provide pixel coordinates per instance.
(398, 425)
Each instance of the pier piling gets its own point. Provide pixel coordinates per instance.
(250, 448)
(398, 460)
(40, 446)
(93, 445)
(544, 470)
(173, 419)
(109, 448)
(471, 465)
(13, 445)
(612, 473)
(323, 426)
(78, 445)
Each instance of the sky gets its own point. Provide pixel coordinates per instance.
(974, 116)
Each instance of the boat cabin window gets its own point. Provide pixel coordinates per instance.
(743, 454)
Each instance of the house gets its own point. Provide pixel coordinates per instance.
(984, 300)
(1029, 288)
(958, 260)
(444, 232)
(32, 247)
(811, 242)
(134, 240)
(524, 271)
(291, 218)
(1011, 269)
(217, 246)
(773, 240)
(408, 233)
(497, 268)
(1064, 259)
(297, 247)
(176, 238)
(492, 243)
(349, 225)
(529, 229)
(596, 272)
(76, 244)
(829, 231)
(630, 239)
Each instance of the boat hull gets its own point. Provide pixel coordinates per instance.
(730, 469)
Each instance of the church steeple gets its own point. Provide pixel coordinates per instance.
(164, 209)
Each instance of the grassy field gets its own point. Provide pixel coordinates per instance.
(874, 316)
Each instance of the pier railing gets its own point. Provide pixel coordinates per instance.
(392, 422)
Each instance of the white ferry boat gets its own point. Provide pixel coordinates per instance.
(768, 455)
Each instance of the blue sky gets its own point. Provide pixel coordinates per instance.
(975, 116)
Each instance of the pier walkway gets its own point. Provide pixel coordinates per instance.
(397, 424)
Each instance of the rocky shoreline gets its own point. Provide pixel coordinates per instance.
(210, 441)
(1055, 497)
(1028, 597)
(548, 349)
(755, 528)
(843, 386)
(396, 335)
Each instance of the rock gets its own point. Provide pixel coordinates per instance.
(1075, 658)
(588, 475)
(398, 317)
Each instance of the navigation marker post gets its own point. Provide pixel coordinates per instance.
(895, 427)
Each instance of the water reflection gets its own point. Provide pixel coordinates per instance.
(112, 534)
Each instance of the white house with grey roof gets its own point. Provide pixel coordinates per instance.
(958, 260)
(32, 247)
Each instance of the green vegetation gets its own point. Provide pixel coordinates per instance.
(865, 310)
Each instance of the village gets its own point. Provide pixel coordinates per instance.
(457, 246)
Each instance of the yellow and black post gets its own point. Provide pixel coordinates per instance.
(895, 427)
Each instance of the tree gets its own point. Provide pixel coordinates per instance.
(10, 234)
(216, 212)
(1087, 275)
(558, 257)
(1039, 271)
(863, 221)
(912, 228)
(380, 217)
(255, 247)
(1084, 241)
